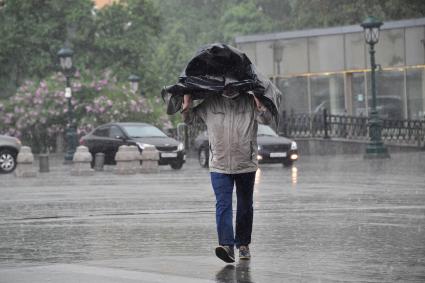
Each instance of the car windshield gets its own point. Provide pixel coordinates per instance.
(143, 132)
(265, 131)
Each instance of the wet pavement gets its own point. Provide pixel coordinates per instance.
(328, 219)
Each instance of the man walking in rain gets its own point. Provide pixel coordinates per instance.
(231, 120)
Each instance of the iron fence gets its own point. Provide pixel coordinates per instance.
(325, 125)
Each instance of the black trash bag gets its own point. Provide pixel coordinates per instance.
(218, 67)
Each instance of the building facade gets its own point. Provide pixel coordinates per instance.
(330, 68)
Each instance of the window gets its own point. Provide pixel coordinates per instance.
(294, 94)
(415, 46)
(389, 94)
(143, 131)
(327, 92)
(294, 57)
(416, 94)
(102, 132)
(326, 53)
(390, 48)
(264, 58)
(115, 132)
(264, 130)
(358, 94)
(355, 51)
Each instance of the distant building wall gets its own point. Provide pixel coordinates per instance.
(330, 68)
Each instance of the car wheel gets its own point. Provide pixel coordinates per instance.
(203, 157)
(177, 165)
(7, 161)
(288, 163)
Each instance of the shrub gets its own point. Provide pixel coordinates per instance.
(38, 112)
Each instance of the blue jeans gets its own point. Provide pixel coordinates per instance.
(223, 188)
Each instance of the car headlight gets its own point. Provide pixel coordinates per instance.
(294, 145)
(180, 147)
(143, 145)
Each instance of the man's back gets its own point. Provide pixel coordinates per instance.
(232, 133)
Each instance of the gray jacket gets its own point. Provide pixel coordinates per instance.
(232, 131)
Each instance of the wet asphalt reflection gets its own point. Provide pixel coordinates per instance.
(325, 219)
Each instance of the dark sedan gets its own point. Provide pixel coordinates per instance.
(109, 137)
(272, 148)
(9, 149)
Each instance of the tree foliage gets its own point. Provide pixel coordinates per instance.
(33, 31)
(123, 37)
(245, 18)
(325, 13)
(118, 37)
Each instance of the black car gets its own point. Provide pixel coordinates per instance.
(9, 149)
(109, 137)
(272, 148)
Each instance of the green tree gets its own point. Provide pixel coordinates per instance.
(325, 13)
(124, 36)
(32, 33)
(245, 18)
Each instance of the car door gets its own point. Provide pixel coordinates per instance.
(97, 142)
(116, 139)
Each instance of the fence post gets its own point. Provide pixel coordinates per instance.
(325, 123)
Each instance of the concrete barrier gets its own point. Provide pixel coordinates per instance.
(134, 151)
(149, 158)
(25, 162)
(126, 158)
(82, 162)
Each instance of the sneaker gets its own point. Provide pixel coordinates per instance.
(225, 253)
(244, 253)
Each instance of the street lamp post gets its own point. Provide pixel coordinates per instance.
(375, 147)
(65, 58)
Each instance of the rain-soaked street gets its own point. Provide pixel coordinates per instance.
(329, 219)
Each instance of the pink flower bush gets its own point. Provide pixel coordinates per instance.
(38, 112)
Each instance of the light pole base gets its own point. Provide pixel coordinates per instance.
(71, 137)
(376, 151)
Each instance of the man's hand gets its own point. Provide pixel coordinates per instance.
(260, 106)
(187, 101)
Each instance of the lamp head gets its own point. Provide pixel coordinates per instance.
(65, 57)
(371, 28)
(134, 82)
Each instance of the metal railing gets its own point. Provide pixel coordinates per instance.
(325, 125)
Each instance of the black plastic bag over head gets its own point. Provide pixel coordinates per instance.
(218, 67)
(219, 60)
